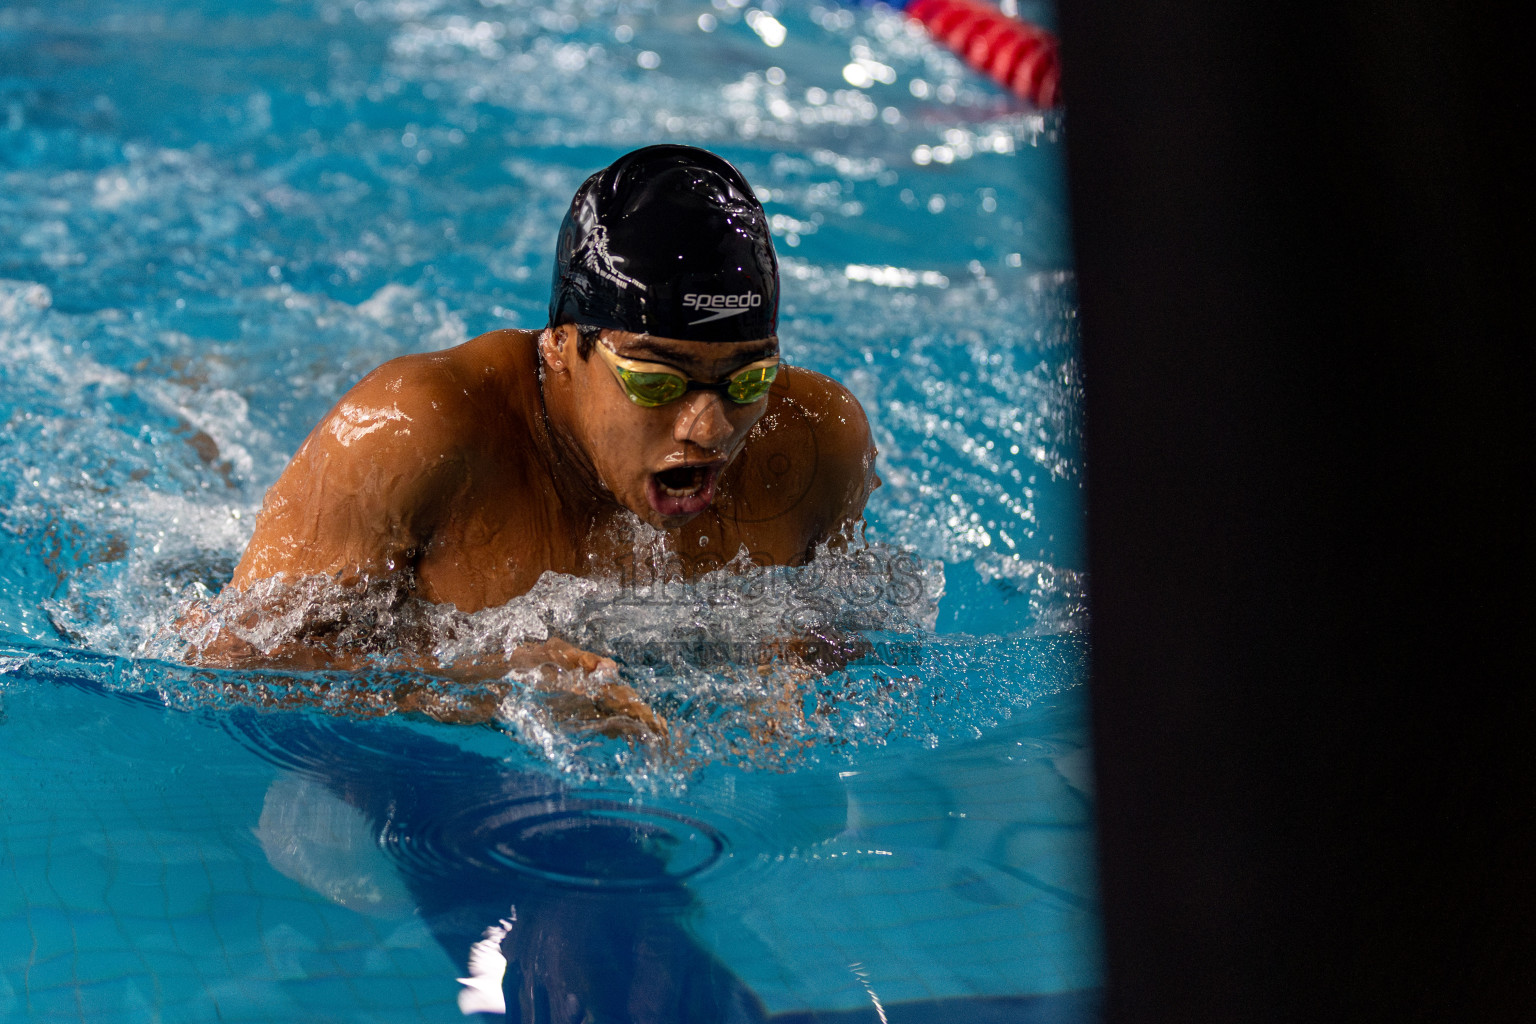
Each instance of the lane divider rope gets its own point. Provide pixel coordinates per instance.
(1020, 57)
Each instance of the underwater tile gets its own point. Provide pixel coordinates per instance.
(181, 993)
(183, 895)
(49, 1005)
(98, 931)
(152, 935)
(107, 965)
(302, 914)
(226, 873)
(134, 898)
(76, 878)
(15, 943)
(26, 827)
(249, 964)
(52, 931)
(50, 973)
(383, 993)
(336, 996)
(118, 999)
(24, 884)
(246, 999)
(195, 936)
(237, 920)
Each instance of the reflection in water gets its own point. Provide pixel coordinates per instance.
(317, 839)
(560, 907)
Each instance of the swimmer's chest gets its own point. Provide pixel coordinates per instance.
(495, 546)
(727, 529)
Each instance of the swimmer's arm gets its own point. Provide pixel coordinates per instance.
(845, 470)
(352, 506)
(368, 485)
(582, 689)
(833, 509)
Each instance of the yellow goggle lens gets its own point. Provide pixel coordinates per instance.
(750, 385)
(652, 389)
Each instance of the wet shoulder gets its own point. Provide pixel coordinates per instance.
(813, 409)
(449, 401)
(808, 463)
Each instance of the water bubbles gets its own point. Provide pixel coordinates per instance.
(730, 658)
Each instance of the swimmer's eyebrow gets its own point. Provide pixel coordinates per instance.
(663, 354)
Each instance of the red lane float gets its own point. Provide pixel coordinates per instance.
(1020, 57)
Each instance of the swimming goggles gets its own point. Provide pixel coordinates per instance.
(652, 384)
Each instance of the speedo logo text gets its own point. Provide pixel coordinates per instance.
(720, 306)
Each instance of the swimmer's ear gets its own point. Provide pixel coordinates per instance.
(554, 344)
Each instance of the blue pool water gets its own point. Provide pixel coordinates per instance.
(215, 217)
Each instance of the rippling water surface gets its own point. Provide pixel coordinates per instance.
(216, 217)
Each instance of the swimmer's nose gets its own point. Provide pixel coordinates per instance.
(702, 420)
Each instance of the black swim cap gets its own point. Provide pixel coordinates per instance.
(669, 241)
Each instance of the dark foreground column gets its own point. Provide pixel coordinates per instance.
(1301, 242)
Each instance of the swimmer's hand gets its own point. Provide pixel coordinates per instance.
(584, 691)
(581, 688)
(558, 656)
(610, 709)
(791, 667)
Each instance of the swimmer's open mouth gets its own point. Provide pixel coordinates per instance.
(683, 490)
(682, 481)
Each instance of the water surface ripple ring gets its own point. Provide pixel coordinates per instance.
(566, 840)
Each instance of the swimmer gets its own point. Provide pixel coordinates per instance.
(656, 391)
